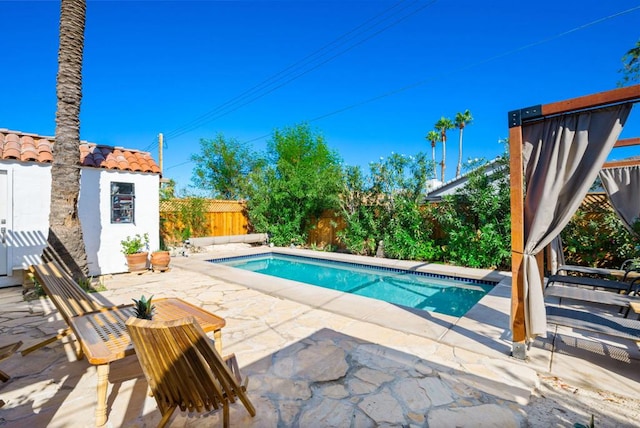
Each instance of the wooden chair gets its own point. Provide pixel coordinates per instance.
(5, 352)
(67, 296)
(183, 368)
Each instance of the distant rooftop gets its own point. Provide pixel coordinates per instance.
(451, 186)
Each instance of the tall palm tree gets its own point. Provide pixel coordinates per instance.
(434, 137)
(65, 231)
(462, 120)
(443, 125)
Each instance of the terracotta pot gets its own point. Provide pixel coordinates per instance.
(137, 262)
(160, 260)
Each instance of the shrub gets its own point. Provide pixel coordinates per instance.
(598, 238)
(409, 235)
(476, 221)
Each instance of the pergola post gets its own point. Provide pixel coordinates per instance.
(517, 242)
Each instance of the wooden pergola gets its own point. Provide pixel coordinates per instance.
(517, 119)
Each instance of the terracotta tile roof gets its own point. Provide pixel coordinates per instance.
(25, 147)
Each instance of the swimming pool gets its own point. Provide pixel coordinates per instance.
(418, 290)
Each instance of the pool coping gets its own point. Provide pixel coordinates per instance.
(491, 275)
(354, 264)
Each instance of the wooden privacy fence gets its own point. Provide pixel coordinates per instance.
(184, 218)
(326, 229)
(596, 205)
(214, 217)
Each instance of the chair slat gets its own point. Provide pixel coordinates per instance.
(67, 296)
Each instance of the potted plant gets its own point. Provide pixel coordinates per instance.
(143, 308)
(134, 248)
(160, 260)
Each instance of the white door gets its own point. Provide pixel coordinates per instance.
(5, 209)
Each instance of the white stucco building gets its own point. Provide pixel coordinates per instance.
(118, 198)
(436, 192)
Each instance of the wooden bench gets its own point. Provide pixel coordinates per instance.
(67, 296)
(250, 238)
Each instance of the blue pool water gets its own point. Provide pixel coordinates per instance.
(437, 293)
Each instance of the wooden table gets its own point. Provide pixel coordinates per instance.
(104, 338)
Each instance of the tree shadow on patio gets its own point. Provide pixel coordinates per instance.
(333, 379)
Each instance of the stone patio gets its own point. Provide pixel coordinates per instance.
(316, 358)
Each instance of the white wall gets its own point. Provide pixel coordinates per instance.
(101, 237)
(28, 223)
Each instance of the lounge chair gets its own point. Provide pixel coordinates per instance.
(67, 296)
(592, 297)
(613, 326)
(628, 270)
(183, 368)
(593, 282)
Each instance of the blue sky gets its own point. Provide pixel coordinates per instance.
(372, 76)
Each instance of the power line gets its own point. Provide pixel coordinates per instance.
(260, 90)
(458, 70)
(273, 77)
(476, 64)
(151, 145)
(180, 164)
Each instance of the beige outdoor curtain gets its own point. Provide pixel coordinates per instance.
(557, 254)
(562, 156)
(622, 185)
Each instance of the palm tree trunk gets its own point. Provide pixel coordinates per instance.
(459, 168)
(433, 156)
(444, 155)
(65, 233)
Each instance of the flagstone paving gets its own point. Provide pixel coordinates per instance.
(307, 366)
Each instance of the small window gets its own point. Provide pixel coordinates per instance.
(122, 202)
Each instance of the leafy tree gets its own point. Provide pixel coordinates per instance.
(443, 125)
(168, 190)
(385, 206)
(300, 179)
(222, 167)
(409, 232)
(631, 66)
(65, 233)
(462, 120)
(434, 137)
(357, 208)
